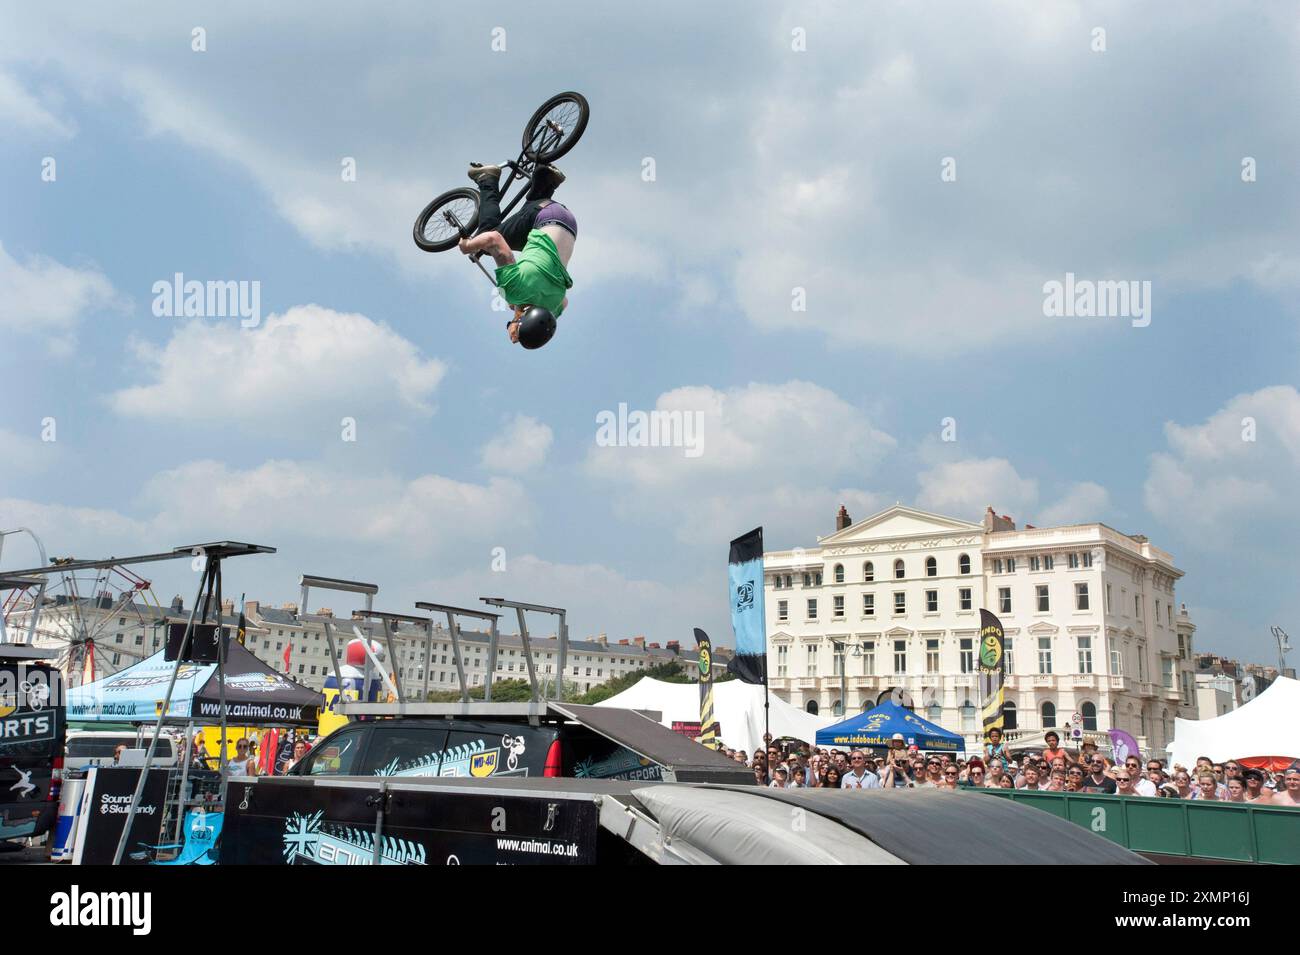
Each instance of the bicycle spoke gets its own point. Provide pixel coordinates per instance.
(439, 229)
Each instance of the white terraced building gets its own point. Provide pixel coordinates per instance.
(124, 634)
(892, 603)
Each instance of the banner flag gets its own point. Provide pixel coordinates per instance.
(748, 619)
(1122, 745)
(992, 671)
(242, 633)
(708, 725)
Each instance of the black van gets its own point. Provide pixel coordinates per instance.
(626, 746)
(32, 727)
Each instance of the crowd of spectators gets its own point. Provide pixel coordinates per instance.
(1052, 769)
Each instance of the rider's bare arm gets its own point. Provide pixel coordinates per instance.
(493, 244)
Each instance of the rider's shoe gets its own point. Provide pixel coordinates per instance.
(479, 171)
(546, 179)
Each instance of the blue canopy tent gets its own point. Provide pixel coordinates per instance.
(874, 729)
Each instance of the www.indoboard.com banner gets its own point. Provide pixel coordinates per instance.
(748, 618)
(992, 671)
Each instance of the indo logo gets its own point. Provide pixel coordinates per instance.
(74, 908)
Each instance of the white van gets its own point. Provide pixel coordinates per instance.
(96, 747)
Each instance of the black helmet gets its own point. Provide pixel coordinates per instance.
(536, 326)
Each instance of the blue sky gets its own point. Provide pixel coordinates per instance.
(775, 168)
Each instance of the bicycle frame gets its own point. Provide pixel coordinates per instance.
(522, 168)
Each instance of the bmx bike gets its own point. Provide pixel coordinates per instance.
(554, 129)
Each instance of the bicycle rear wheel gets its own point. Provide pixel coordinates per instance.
(556, 127)
(434, 232)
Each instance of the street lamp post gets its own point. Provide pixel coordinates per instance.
(1283, 647)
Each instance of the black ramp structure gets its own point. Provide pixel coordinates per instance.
(945, 827)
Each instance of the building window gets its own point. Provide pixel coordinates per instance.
(1137, 606)
(1009, 714)
(1072, 561)
(868, 605)
(807, 580)
(932, 656)
(1107, 607)
(869, 658)
(1085, 654)
(1049, 715)
(934, 713)
(782, 659)
(838, 605)
(900, 602)
(898, 570)
(932, 601)
(963, 596)
(963, 564)
(967, 647)
(1087, 558)
(839, 573)
(900, 656)
(811, 707)
(812, 659)
(1142, 663)
(997, 566)
(782, 610)
(1167, 672)
(1080, 596)
(1043, 603)
(1049, 562)
(1044, 654)
(812, 608)
(968, 717)
(1035, 563)
(837, 660)
(1004, 600)
(931, 567)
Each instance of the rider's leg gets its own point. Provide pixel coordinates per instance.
(546, 179)
(489, 204)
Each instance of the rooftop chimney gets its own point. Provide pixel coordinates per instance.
(675, 646)
(654, 646)
(325, 612)
(624, 642)
(251, 607)
(227, 607)
(842, 518)
(291, 607)
(994, 523)
(639, 641)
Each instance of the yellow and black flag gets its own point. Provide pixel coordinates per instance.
(992, 671)
(708, 725)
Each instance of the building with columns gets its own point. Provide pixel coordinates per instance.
(891, 604)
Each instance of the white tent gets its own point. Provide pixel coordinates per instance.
(738, 707)
(1269, 725)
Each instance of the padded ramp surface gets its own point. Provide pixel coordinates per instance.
(937, 827)
(652, 740)
(738, 827)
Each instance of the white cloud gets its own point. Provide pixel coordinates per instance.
(964, 488)
(419, 516)
(1082, 503)
(520, 447)
(24, 454)
(47, 299)
(20, 109)
(308, 359)
(1213, 480)
(768, 454)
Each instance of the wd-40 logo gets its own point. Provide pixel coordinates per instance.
(745, 596)
(483, 764)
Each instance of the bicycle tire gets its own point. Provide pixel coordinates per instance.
(571, 136)
(446, 237)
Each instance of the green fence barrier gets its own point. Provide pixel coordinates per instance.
(1233, 832)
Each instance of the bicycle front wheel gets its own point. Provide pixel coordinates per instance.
(556, 127)
(435, 231)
